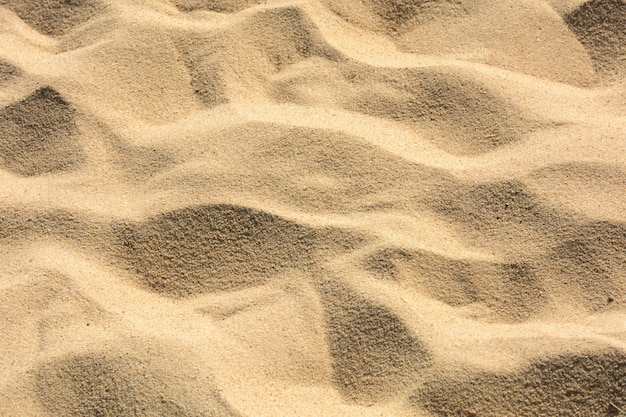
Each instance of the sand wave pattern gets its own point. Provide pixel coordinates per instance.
(312, 208)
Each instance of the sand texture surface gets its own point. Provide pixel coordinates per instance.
(242, 208)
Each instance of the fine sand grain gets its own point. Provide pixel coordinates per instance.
(312, 208)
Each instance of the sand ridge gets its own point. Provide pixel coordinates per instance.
(312, 207)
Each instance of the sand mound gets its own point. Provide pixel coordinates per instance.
(573, 185)
(20, 223)
(429, 101)
(117, 384)
(512, 291)
(312, 208)
(526, 37)
(599, 26)
(215, 248)
(573, 385)
(131, 53)
(511, 218)
(39, 134)
(261, 44)
(375, 356)
(54, 17)
(438, 100)
(589, 260)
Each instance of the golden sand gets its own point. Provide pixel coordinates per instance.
(312, 208)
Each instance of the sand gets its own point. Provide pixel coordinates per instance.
(312, 208)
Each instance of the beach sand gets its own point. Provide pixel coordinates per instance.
(312, 208)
